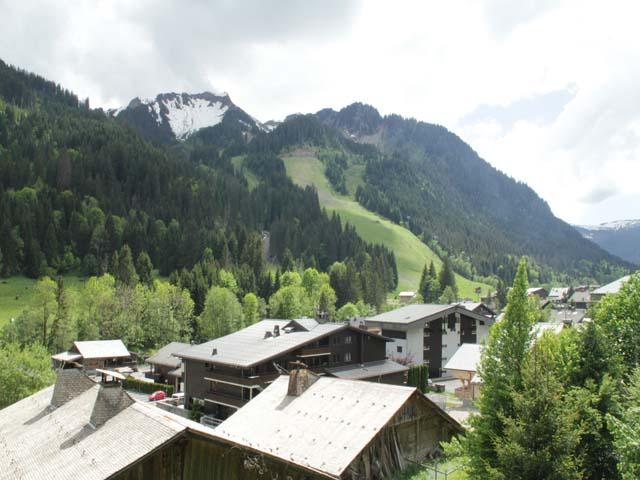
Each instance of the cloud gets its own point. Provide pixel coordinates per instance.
(545, 91)
(599, 194)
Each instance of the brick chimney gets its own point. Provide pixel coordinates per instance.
(300, 380)
(111, 400)
(70, 383)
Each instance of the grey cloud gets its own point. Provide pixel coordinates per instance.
(540, 109)
(599, 194)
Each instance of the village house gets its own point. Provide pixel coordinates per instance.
(406, 297)
(167, 368)
(222, 375)
(431, 334)
(95, 354)
(558, 295)
(301, 427)
(539, 292)
(608, 289)
(580, 299)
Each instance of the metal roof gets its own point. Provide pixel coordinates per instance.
(164, 356)
(466, 358)
(558, 292)
(421, 312)
(67, 357)
(253, 345)
(613, 287)
(367, 370)
(39, 442)
(324, 429)
(102, 349)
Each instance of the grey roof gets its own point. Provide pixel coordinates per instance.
(558, 292)
(466, 358)
(613, 287)
(38, 442)
(164, 356)
(323, 429)
(581, 297)
(250, 346)
(367, 370)
(102, 349)
(420, 312)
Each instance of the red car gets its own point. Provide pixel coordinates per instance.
(157, 395)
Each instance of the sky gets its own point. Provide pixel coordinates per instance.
(545, 91)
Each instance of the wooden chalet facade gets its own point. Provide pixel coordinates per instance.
(222, 375)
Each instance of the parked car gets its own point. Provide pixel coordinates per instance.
(157, 395)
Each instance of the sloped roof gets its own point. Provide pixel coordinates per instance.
(580, 297)
(249, 346)
(164, 356)
(466, 358)
(539, 328)
(324, 429)
(613, 287)
(367, 370)
(102, 349)
(420, 312)
(58, 444)
(558, 292)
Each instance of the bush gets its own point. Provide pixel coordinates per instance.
(134, 384)
(418, 376)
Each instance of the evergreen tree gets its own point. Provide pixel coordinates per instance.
(144, 267)
(123, 269)
(501, 294)
(62, 331)
(501, 370)
(540, 433)
(447, 277)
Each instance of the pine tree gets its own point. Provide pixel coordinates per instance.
(447, 277)
(123, 268)
(501, 371)
(144, 267)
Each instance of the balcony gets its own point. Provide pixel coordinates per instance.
(225, 399)
(314, 352)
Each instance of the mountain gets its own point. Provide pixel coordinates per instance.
(174, 117)
(77, 186)
(621, 238)
(427, 178)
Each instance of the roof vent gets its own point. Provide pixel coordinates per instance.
(276, 330)
(267, 334)
(70, 383)
(288, 329)
(214, 352)
(111, 400)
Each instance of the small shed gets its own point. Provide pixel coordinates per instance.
(407, 296)
(463, 365)
(94, 354)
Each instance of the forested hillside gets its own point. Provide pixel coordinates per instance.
(77, 185)
(430, 180)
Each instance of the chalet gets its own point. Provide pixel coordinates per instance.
(340, 428)
(539, 292)
(558, 294)
(95, 354)
(222, 375)
(463, 365)
(608, 289)
(581, 299)
(431, 334)
(167, 368)
(301, 427)
(406, 297)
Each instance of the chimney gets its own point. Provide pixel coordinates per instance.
(300, 379)
(276, 330)
(111, 400)
(70, 383)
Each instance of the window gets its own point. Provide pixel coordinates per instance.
(347, 357)
(444, 359)
(427, 348)
(347, 339)
(399, 349)
(444, 346)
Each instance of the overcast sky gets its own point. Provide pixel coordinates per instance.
(546, 91)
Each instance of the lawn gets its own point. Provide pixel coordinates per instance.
(238, 164)
(16, 294)
(411, 253)
(447, 470)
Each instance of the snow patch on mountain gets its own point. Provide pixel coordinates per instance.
(615, 225)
